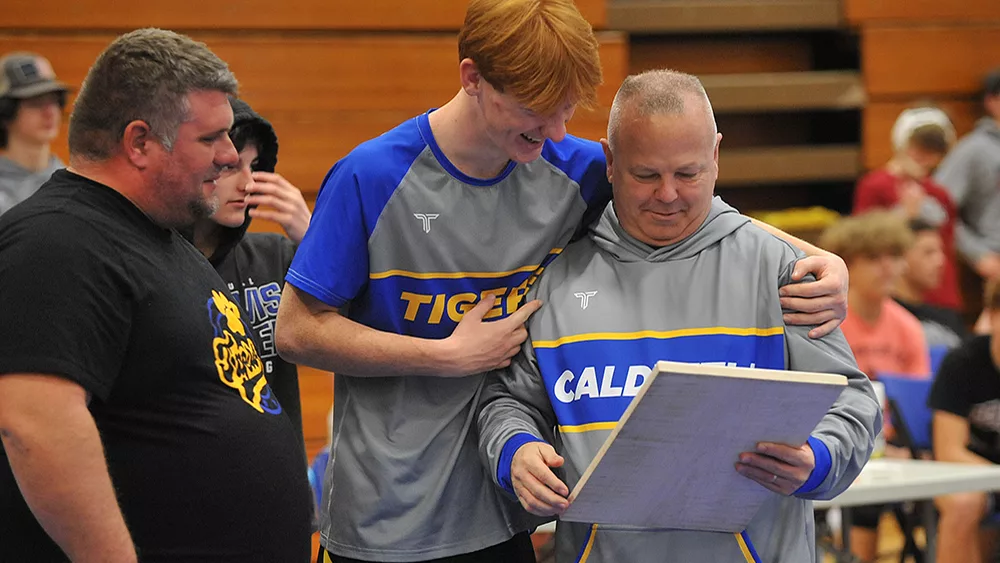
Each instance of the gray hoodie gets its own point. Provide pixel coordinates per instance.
(971, 174)
(713, 297)
(18, 183)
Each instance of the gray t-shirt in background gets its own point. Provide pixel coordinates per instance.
(18, 183)
(971, 174)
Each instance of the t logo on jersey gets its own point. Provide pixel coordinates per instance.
(236, 356)
(584, 297)
(426, 218)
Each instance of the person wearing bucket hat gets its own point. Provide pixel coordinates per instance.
(31, 105)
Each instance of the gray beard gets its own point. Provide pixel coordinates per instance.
(202, 209)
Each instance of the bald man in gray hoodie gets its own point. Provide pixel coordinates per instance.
(668, 273)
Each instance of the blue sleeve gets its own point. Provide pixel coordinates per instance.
(583, 162)
(507, 457)
(331, 264)
(821, 469)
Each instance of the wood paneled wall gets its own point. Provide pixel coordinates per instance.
(329, 74)
(330, 15)
(865, 12)
(922, 51)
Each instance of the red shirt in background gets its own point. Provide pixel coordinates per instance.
(878, 190)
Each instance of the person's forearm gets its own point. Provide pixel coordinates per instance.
(807, 248)
(329, 341)
(59, 465)
(961, 455)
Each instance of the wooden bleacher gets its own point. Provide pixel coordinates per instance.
(325, 95)
(902, 12)
(59, 16)
(764, 65)
(700, 16)
(922, 59)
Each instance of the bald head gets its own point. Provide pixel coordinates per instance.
(658, 92)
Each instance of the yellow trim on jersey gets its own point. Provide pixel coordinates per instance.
(589, 546)
(661, 334)
(456, 275)
(743, 547)
(447, 275)
(590, 427)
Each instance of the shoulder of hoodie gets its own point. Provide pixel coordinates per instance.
(786, 253)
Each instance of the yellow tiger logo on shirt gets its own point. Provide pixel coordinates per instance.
(236, 358)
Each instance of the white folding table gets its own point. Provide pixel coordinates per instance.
(885, 481)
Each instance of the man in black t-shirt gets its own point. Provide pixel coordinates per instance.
(966, 402)
(136, 418)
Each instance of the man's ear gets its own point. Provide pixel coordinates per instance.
(137, 142)
(471, 79)
(609, 157)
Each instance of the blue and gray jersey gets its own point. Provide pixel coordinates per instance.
(408, 243)
(614, 307)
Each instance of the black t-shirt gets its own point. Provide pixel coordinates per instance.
(254, 269)
(968, 385)
(205, 464)
(942, 327)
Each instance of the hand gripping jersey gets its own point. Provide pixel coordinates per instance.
(613, 307)
(408, 243)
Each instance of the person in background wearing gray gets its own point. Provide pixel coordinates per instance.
(31, 106)
(971, 174)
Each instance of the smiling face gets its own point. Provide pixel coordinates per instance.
(663, 170)
(514, 129)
